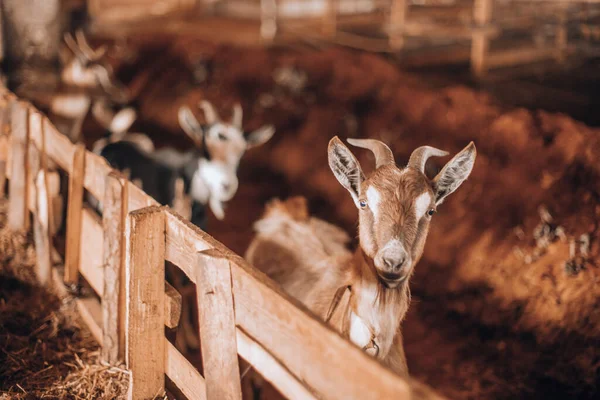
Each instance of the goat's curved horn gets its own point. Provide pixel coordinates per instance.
(73, 46)
(419, 157)
(209, 112)
(238, 114)
(84, 45)
(383, 154)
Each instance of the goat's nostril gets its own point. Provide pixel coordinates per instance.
(394, 264)
(226, 187)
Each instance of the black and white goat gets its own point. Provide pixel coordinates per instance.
(208, 171)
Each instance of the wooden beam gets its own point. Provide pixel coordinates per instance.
(271, 369)
(522, 55)
(397, 23)
(17, 214)
(217, 328)
(145, 264)
(114, 213)
(41, 231)
(172, 306)
(91, 313)
(184, 375)
(74, 210)
(91, 253)
(482, 15)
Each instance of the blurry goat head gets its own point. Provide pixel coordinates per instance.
(224, 144)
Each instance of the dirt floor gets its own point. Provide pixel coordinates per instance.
(506, 300)
(44, 350)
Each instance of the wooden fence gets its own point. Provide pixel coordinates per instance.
(122, 256)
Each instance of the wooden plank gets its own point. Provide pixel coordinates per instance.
(482, 15)
(96, 171)
(41, 231)
(282, 326)
(397, 23)
(74, 211)
(3, 173)
(217, 328)
(137, 198)
(270, 368)
(114, 213)
(182, 244)
(172, 306)
(4, 144)
(17, 214)
(58, 146)
(523, 55)
(91, 313)
(91, 253)
(183, 374)
(145, 254)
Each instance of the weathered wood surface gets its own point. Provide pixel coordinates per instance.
(114, 213)
(41, 230)
(145, 254)
(173, 304)
(74, 215)
(217, 328)
(18, 195)
(184, 375)
(271, 369)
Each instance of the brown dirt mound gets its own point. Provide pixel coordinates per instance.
(44, 350)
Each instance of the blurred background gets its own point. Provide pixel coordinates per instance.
(506, 301)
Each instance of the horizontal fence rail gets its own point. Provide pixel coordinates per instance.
(122, 256)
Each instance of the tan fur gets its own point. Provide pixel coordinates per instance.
(309, 258)
(312, 264)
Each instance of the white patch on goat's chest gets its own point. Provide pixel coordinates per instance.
(422, 204)
(373, 198)
(199, 190)
(362, 329)
(369, 320)
(360, 334)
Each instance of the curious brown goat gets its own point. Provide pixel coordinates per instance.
(364, 295)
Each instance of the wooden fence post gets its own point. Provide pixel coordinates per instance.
(18, 186)
(329, 26)
(397, 21)
(114, 213)
(74, 210)
(482, 16)
(217, 327)
(41, 230)
(4, 142)
(145, 269)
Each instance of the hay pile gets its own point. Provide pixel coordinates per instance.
(45, 351)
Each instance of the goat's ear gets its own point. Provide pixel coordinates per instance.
(345, 167)
(260, 136)
(454, 173)
(121, 123)
(190, 124)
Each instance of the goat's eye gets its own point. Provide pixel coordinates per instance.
(431, 212)
(222, 137)
(363, 203)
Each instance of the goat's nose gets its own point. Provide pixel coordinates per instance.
(394, 263)
(226, 187)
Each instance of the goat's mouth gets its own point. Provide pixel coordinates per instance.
(391, 280)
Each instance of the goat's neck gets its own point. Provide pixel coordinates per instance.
(378, 308)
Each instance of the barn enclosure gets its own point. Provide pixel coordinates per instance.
(505, 301)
